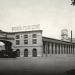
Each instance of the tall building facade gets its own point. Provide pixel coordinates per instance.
(28, 43)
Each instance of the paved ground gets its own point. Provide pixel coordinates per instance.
(51, 64)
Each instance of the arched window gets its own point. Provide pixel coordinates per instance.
(26, 53)
(34, 52)
(18, 52)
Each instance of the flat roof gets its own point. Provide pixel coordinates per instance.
(56, 40)
(24, 31)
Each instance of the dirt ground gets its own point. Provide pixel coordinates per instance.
(45, 65)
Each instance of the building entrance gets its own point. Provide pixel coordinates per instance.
(34, 52)
(18, 52)
(26, 53)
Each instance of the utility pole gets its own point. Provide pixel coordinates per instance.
(71, 36)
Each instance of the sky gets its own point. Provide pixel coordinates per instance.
(52, 15)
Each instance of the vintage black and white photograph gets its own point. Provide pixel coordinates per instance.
(37, 37)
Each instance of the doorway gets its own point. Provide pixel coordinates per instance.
(34, 52)
(18, 52)
(26, 53)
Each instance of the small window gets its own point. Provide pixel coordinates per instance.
(25, 41)
(34, 35)
(34, 41)
(25, 36)
(17, 36)
(17, 42)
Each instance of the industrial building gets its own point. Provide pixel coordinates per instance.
(33, 44)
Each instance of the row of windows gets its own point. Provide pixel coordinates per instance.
(34, 41)
(26, 36)
(34, 52)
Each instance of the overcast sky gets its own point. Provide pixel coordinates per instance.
(52, 15)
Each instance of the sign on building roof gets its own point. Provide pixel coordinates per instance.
(26, 28)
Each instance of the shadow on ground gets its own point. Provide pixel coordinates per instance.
(70, 72)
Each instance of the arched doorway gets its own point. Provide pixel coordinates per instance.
(18, 52)
(34, 52)
(2, 46)
(8, 45)
(26, 53)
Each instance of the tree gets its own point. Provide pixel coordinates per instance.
(73, 2)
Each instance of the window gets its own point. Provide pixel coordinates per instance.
(17, 36)
(25, 41)
(25, 36)
(17, 42)
(34, 41)
(34, 36)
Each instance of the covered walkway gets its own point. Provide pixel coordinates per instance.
(53, 46)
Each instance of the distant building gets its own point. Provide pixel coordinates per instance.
(64, 34)
(32, 44)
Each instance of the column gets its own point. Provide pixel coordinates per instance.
(60, 49)
(73, 49)
(53, 48)
(67, 49)
(43, 48)
(57, 48)
(70, 49)
(46, 48)
(50, 48)
(64, 49)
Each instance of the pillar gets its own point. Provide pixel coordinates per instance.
(70, 49)
(67, 49)
(46, 48)
(53, 48)
(73, 49)
(50, 48)
(64, 49)
(57, 48)
(60, 49)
